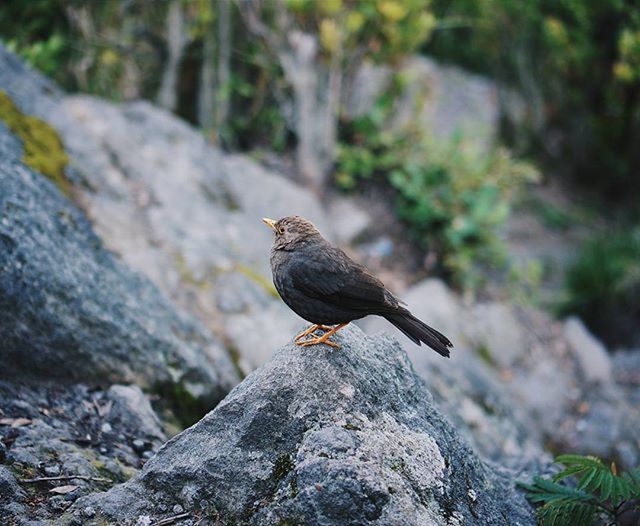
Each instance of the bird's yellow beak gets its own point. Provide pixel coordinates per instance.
(269, 222)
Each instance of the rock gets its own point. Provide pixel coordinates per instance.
(131, 409)
(170, 204)
(591, 355)
(322, 437)
(70, 310)
(497, 332)
(446, 100)
(52, 471)
(138, 445)
(348, 220)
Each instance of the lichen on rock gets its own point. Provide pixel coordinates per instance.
(43, 148)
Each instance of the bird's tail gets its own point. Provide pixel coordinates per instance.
(418, 331)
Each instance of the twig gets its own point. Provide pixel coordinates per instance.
(171, 520)
(65, 477)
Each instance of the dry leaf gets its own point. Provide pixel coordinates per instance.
(15, 422)
(63, 490)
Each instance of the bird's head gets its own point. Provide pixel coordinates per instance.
(291, 231)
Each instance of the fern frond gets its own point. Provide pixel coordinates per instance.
(594, 476)
(545, 490)
(560, 513)
(633, 478)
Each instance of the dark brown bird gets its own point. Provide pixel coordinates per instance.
(323, 285)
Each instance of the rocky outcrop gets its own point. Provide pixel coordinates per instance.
(320, 437)
(70, 310)
(444, 100)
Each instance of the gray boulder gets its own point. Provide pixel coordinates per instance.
(590, 354)
(174, 207)
(72, 311)
(320, 437)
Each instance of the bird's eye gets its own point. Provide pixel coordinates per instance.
(280, 230)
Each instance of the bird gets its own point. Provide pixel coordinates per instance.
(323, 285)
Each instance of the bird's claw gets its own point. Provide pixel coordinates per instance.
(311, 330)
(330, 331)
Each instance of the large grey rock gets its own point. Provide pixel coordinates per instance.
(70, 310)
(173, 206)
(321, 437)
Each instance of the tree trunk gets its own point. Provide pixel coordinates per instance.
(316, 91)
(176, 42)
(207, 90)
(224, 64)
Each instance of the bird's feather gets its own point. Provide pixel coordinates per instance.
(348, 286)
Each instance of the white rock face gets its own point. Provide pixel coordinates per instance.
(446, 100)
(592, 356)
(185, 214)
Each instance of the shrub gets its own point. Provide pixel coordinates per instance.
(453, 200)
(603, 286)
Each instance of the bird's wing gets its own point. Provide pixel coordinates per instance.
(336, 279)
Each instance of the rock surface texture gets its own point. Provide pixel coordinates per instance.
(70, 310)
(320, 437)
(50, 431)
(516, 381)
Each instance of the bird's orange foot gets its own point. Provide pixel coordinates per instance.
(324, 338)
(311, 330)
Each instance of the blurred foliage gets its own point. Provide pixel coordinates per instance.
(382, 29)
(577, 63)
(604, 286)
(453, 200)
(600, 494)
(117, 49)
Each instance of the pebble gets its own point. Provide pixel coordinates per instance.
(106, 428)
(147, 455)
(177, 509)
(138, 445)
(52, 471)
(89, 511)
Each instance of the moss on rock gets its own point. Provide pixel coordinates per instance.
(43, 148)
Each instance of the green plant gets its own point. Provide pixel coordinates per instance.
(600, 493)
(603, 286)
(454, 200)
(576, 63)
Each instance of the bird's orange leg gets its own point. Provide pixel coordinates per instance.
(311, 330)
(324, 338)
